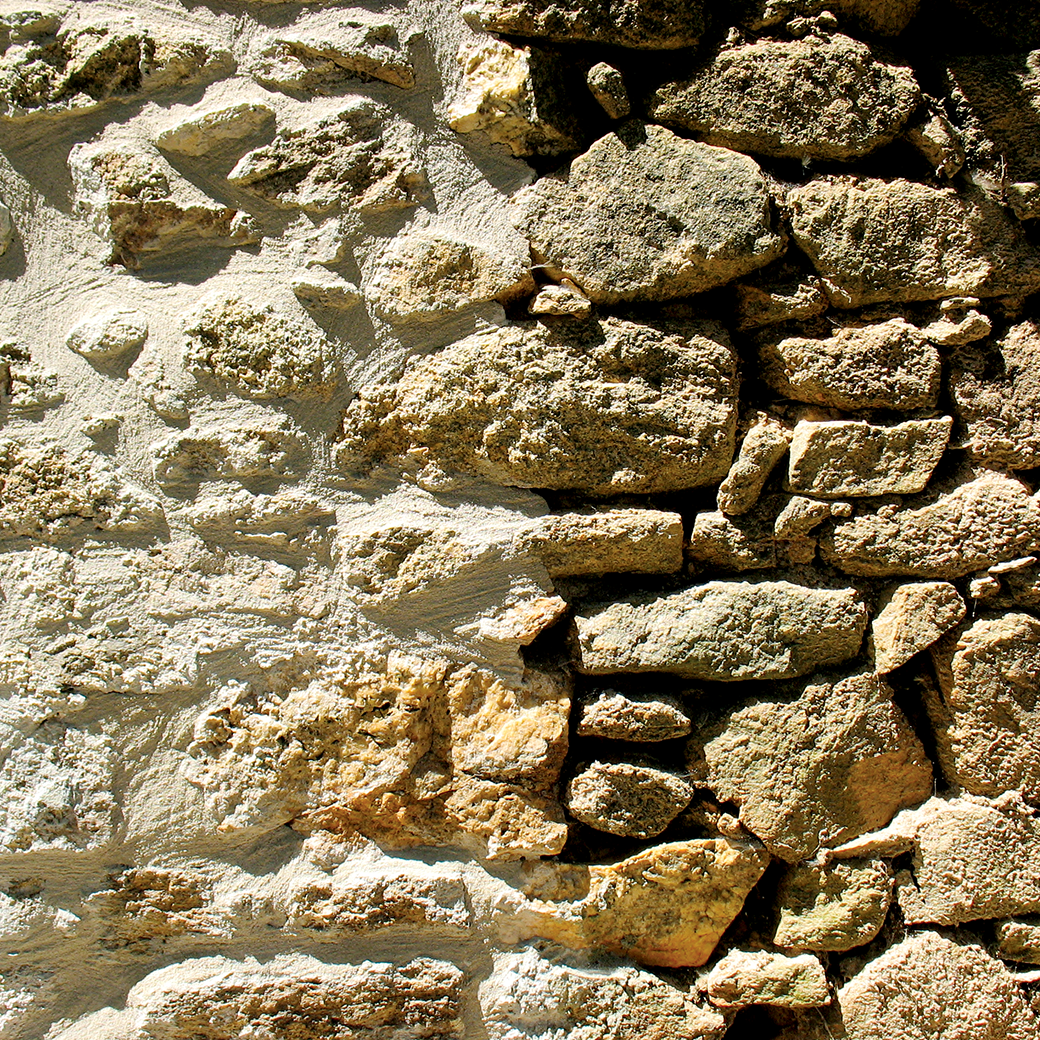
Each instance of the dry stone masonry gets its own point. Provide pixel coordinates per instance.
(520, 520)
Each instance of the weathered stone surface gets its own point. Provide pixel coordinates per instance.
(654, 24)
(288, 520)
(563, 300)
(608, 88)
(843, 457)
(833, 907)
(763, 446)
(883, 17)
(824, 97)
(515, 95)
(108, 335)
(874, 240)
(741, 543)
(529, 996)
(261, 353)
(887, 365)
(429, 275)
(937, 139)
(362, 158)
(959, 323)
(323, 290)
(629, 800)
(985, 521)
(746, 977)
(723, 630)
(996, 389)
(619, 228)
(606, 408)
(780, 293)
(929, 986)
(851, 762)
(215, 129)
(987, 718)
(1019, 940)
(24, 385)
(910, 619)
(615, 716)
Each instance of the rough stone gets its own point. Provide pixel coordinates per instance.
(1019, 940)
(843, 457)
(723, 630)
(605, 408)
(874, 240)
(938, 141)
(824, 97)
(629, 800)
(780, 293)
(745, 977)
(742, 543)
(851, 762)
(24, 385)
(608, 88)
(108, 335)
(645, 719)
(887, 365)
(959, 323)
(324, 290)
(983, 522)
(881, 17)
(910, 619)
(563, 300)
(216, 129)
(833, 907)
(764, 445)
(288, 520)
(616, 225)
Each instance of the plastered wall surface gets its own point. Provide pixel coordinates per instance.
(519, 521)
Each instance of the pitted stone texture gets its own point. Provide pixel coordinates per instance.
(833, 907)
(883, 17)
(731, 543)
(875, 240)
(646, 215)
(887, 365)
(763, 446)
(108, 335)
(850, 759)
(780, 293)
(910, 619)
(824, 97)
(216, 129)
(261, 353)
(629, 800)
(745, 977)
(608, 87)
(529, 996)
(604, 408)
(724, 631)
(288, 520)
(847, 458)
(987, 719)
(647, 719)
(1019, 940)
(928, 986)
(652, 24)
(996, 389)
(362, 158)
(983, 522)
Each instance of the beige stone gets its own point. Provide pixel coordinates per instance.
(287, 520)
(633, 801)
(782, 292)
(563, 300)
(643, 719)
(910, 619)
(764, 445)
(216, 129)
(881, 17)
(108, 335)
(607, 85)
(731, 543)
(324, 290)
(746, 977)
(1019, 940)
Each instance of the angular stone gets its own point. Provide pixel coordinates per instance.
(887, 365)
(653, 24)
(800, 515)
(763, 446)
(833, 907)
(615, 716)
(108, 335)
(824, 97)
(882, 17)
(517, 97)
(843, 457)
(910, 619)
(215, 129)
(724, 631)
(742, 543)
(780, 293)
(629, 800)
(987, 719)
(851, 762)
(646, 215)
(608, 88)
(937, 139)
(563, 300)
(24, 385)
(745, 977)
(873, 240)
(261, 353)
(959, 324)
(324, 290)
(604, 408)
(985, 521)
(1019, 940)
(529, 996)
(928, 986)
(996, 389)
(287, 520)
(362, 158)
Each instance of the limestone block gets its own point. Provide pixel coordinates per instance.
(108, 335)
(633, 801)
(887, 365)
(618, 226)
(763, 446)
(605, 408)
(823, 97)
(873, 240)
(1019, 940)
(608, 88)
(724, 630)
(910, 619)
(216, 129)
(745, 977)
(643, 719)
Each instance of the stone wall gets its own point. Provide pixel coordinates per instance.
(517, 522)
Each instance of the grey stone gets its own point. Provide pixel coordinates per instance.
(632, 801)
(910, 619)
(608, 88)
(644, 719)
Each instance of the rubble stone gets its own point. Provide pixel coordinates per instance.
(108, 335)
(1019, 940)
(648, 719)
(745, 977)
(780, 293)
(608, 88)
(214, 129)
(563, 300)
(910, 619)
(742, 543)
(763, 446)
(629, 800)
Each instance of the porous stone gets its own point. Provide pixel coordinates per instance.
(629, 800)
(842, 457)
(617, 226)
(742, 543)
(1019, 940)
(937, 139)
(608, 88)
(890, 364)
(928, 985)
(824, 97)
(959, 323)
(874, 240)
(644, 719)
(289, 520)
(746, 977)
(324, 290)
(724, 630)
(109, 335)
(24, 385)
(215, 129)
(560, 407)
(563, 300)
(780, 293)
(980, 523)
(852, 761)
(764, 445)
(910, 619)
(834, 906)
